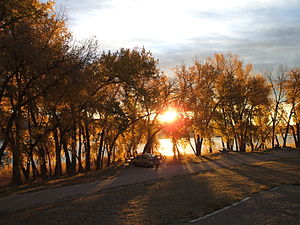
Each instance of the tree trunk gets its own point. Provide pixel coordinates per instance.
(87, 148)
(109, 150)
(176, 153)
(149, 145)
(16, 148)
(43, 163)
(7, 136)
(298, 135)
(26, 172)
(80, 167)
(236, 144)
(242, 145)
(16, 177)
(223, 144)
(73, 148)
(35, 171)
(229, 146)
(198, 144)
(67, 156)
(114, 155)
(252, 144)
(274, 125)
(100, 150)
(287, 128)
(49, 162)
(2, 149)
(102, 159)
(277, 141)
(58, 167)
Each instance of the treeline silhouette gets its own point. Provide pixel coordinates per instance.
(67, 104)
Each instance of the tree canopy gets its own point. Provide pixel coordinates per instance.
(66, 107)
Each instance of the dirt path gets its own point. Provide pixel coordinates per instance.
(132, 175)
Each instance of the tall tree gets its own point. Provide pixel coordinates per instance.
(36, 56)
(293, 92)
(197, 93)
(277, 83)
(241, 94)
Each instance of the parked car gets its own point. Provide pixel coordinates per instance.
(146, 160)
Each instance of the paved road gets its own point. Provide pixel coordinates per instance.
(276, 207)
(132, 175)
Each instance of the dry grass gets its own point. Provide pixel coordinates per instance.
(8, 189)
(170, 201)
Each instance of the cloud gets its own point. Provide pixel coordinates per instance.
(265, 36)
(83, 6)
(262, 32)
(83, 9)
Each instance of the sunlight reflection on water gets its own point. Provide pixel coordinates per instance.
(166, 145)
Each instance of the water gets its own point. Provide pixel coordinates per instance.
(166, 145)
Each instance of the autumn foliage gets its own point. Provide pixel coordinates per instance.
(66, 107)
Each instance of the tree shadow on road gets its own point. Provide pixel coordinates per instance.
(168, 201)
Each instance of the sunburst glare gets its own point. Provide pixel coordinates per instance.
(168, 116)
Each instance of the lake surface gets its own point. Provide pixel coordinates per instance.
(166, 145)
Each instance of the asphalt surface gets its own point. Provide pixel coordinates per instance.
(279, 206)
(133, 175)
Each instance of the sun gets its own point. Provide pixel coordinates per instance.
(168, 116)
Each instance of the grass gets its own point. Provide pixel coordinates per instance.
(5, 177)
(169, 201)
(8, 189)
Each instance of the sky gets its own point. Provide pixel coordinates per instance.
(265, 33)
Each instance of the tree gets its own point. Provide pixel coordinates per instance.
(292, 87)
(32, 41)
(222, 93)
(36, 56)
(159, 99)
(241, 94)
(198, 96)
(278, 91)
